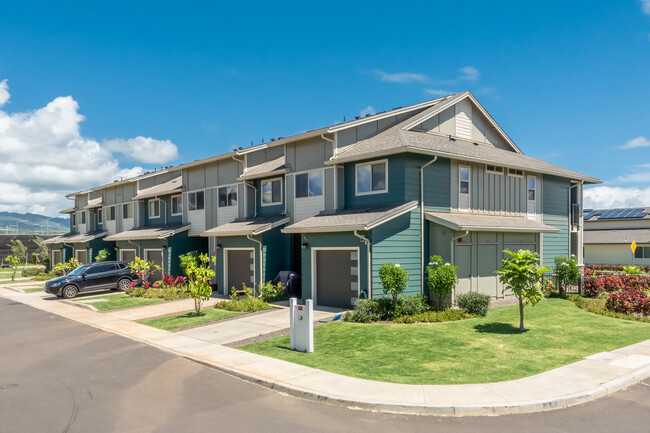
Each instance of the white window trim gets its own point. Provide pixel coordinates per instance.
(122, 210)
(107, 208)
(295, 174)
(236, 185)
(122, 250)
(149, 204)
(530, 216)
(275, 203)
(371, 163)
(225, 266)
(181, 204)
(501, 173)
(314, 270)
(469, 187)
(100, 216)
(188, 200)
(516, 175)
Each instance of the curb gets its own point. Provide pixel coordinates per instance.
(80, 305)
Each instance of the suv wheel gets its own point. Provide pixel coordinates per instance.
(70, 291)
(124, 284)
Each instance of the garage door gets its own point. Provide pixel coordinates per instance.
(156, 257)
(56, 257)
(127, 255)
(337, 278)
(241, 268)
(81, 255)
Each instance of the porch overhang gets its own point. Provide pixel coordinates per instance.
(488, 223)
(252, 226)
(74, 238)
(148, 233)
(174, 186)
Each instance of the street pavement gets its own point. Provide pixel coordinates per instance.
(57, 375)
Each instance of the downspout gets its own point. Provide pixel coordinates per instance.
(136, 245)
(369, 264)
(254, 197)
(69, 246)
(453, 239)
(422, 223)
(165, 203)
(331, 141)
(248, 236)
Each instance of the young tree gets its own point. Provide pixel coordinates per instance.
(566, 271)
(143, 268)
(13, 261)
(18, 249)
(102, 255)
(199, 276)
(394, 279)
(441, 278)
(41, 248)
(522, 275)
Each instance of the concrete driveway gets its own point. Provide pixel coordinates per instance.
(250, 326)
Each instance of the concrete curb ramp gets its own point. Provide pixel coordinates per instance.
(596, 376)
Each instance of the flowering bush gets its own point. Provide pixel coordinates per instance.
(394, 279)
(441, 278)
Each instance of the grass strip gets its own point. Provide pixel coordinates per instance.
(116, 302)
(178, 321)
(480, 350)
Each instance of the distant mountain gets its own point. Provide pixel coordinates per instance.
(29, 223)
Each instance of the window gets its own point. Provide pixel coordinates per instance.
(371, 177)
(110, 213)
(228, 196)
(99, 216)
(195, 200)
(127, 210)
(154, 208)
(531, 188)
(463, 187)
(309, 184)
(73, 218)
(271, 192)
(83, 217)
(514, 172)
(642, 253)
(494, 169)
(464, 180)
(177, 205)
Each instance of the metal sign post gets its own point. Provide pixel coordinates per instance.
(301, 318)
(633, 248)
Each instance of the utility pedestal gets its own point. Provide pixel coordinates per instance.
(301, 319)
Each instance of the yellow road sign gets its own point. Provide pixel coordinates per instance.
(633, 246)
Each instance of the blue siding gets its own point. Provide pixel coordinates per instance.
(396, 184)
(165, 207)
(556, 214)
(397, 241)
(99, 244)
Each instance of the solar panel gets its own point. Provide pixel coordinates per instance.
(623, 213)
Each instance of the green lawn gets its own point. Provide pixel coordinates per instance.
(33, 289)
(481, 350)
(115, 302)
(187, 319)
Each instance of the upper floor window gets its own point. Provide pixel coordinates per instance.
(100, 215)
(309, 184)
(531, 203)
(271, 192)
(73, 219)
(494, 169)
(531, 187)
(83, 217)
(110, 213)
(463, 187)
(177, 205)
(372, 177)
(127, 210)
(195, 200)
(515, 172)
(228, 196)
(154, 208)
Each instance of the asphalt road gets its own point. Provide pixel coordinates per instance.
(59, 376)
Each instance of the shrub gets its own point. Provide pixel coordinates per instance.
(394, 279)
(410, 305)
(598, 306)
(447, 315)
(102, 255)
(629, 302)
(246, 304)
(374, 310)
(441, 279)
(566, 271)
(31, 272)
(269, 292)
(366, 311)
(631, 269)
(474, 303)
(13, 261)
(188, 260)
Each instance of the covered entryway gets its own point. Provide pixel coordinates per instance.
(240, 268)
(335, 275)
(81, 256)
(154, 256)
(56, 257)
(127, 255)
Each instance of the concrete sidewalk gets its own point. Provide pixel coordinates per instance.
(596, 376)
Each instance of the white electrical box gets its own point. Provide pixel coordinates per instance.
(302, 325)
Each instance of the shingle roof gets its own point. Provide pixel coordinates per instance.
(640, 236)
(153, 232)
(170, 187)
(362, 218)
(68, 210)
(252, 226)
(492, 223)
(95, 203)
(71, 238)
(268, 168)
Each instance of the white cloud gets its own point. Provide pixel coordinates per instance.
(612, 197)
(368, 110)
(401, 77)
(144, 149)
(44, 156)
(645, 6)
(469, 73)
(438, 92)
(4, 92)
(636, 142)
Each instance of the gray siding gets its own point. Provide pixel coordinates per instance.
(308, 154)
(355, 134)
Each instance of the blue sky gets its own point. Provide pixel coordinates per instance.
(143, 84)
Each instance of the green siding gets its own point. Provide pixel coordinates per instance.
(271, 209)
(397, 241)
(165, 207)
(437, 184)
(556, 214)
(396, 184)
(99, 244)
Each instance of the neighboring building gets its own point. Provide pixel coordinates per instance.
(439, 177)
(609, 233)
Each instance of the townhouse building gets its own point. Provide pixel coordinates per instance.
(335, 203)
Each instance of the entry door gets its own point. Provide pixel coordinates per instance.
(241, 269)
(488, 257)
(337, 277)
(463, 259)
(56, 257)
(156, 257)
(82, 256)
(127, 256)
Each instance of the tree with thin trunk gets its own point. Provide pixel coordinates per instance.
(522, 274)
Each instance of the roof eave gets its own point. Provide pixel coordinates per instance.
(261, 175)
(474, 228)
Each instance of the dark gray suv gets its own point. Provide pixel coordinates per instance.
(93, 276)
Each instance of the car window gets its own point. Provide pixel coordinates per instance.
(93, 270)
(79, 270)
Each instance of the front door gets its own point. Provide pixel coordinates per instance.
(337, 277)
(463, 259)
(240, 269)
(127, 256)
(154, 256)
(81, 256)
